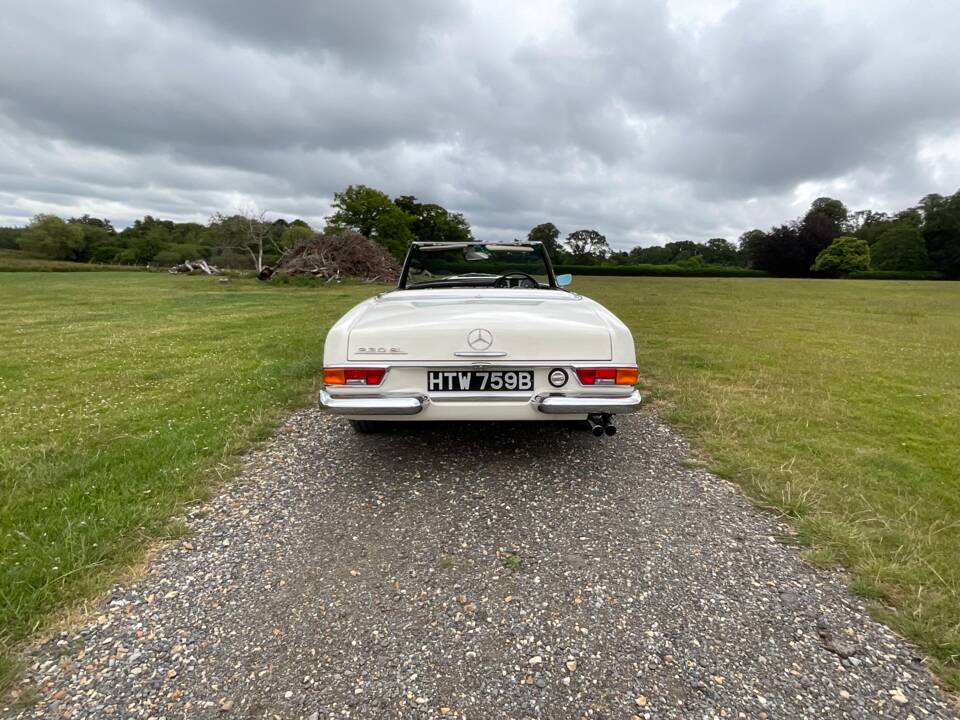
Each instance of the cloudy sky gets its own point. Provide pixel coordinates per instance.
(649, 120)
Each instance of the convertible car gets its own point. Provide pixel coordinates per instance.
(479, 331)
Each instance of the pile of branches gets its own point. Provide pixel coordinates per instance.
(196, 266)
(336, 257)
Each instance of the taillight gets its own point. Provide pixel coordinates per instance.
(353, 376)
(607, 376)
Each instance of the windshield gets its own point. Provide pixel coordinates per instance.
(476, 265)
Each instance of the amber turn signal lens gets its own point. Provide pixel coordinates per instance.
(333, 376)
(626, 376)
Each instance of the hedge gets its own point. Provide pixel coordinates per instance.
(659, 270)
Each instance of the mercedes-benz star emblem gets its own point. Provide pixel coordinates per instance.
(479, 339)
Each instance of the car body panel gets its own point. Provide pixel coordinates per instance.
(434, 324)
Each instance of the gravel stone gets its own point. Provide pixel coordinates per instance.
(356, 576)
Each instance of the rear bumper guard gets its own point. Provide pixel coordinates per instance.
(554, 404)
(383, 405)
(603, 404)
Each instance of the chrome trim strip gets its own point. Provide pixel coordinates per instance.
(487, 395)
(480, 354)
(560, 404)
(378, 405)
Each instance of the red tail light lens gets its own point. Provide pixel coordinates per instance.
(607, 376)
(353, 376)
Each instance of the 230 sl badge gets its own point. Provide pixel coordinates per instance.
(380, 351)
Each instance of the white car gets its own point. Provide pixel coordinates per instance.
(479, 331)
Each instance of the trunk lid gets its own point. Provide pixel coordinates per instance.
(433, 325)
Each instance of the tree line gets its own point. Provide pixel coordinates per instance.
(828, 240)
(230, 241)
(242, 240)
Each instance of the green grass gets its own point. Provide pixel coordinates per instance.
(511, 562)
(122, 396)
(837, 403)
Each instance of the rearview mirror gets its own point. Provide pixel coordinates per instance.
(565, 279)
(473, 253)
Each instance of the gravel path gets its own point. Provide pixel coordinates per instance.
(480, 572)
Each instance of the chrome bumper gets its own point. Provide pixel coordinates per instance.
(550, 404)
(372, 405)
(570, 405)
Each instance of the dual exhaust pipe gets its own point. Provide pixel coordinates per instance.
(601, 425)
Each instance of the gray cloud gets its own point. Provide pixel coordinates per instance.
(366, 33)
(649, 119)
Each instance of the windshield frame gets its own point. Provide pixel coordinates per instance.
(402, 282)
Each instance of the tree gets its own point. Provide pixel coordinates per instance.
(433, 223)
(9, 236)
(900, 247)
(49, 236)
(823, 222)
(654, 255)
(751, 247)
(246, 232)
(941, 232)
(392, 230)
(587, 246)
(372, 214)
(843, 256)
(144, 248)
(872, 227)
(548, 234)
(682, 250)
(718, 251)
(833, 210)
(778, 252)
(89, 221)
(857, 220)
(295, 234)
(359, 208)
(97, 233)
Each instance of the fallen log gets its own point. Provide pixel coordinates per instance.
(196, 266)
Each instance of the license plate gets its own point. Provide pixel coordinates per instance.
(479, 380)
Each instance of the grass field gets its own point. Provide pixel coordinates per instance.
(835, 402)
(124, 395)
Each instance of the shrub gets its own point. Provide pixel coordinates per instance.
(166, 257)
(8, 237)
(843, 256)
(104, 254)
(230, 259)
(177, 254)
(659, 270)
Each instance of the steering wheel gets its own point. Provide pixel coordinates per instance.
(501, 282)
